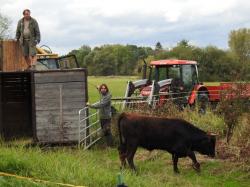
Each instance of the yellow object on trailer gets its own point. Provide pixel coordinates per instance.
(43, 53)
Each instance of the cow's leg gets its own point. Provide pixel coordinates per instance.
(195, 164)
(130, 156)
(175, 161)
(123, 160)
(122, 154)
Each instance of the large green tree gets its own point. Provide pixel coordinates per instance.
(158, 46)
(183, 51)
(103, 62)
(217, 65)
(81, 53)
(239, 43)
(4, 27)
(112, 59)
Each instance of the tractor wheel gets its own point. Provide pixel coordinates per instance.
(203, 101)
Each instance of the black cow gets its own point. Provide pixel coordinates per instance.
(178, 137)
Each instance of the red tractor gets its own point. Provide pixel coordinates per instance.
(176, 80)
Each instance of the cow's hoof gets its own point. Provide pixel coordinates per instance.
(196, 167)
(134, 171)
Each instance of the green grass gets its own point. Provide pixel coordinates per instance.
(100, 166)
(116, 85)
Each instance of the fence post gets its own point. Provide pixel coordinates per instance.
(79, 129)
(87, 140)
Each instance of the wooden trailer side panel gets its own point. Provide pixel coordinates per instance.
(1, 108)
(11, 57)
(59, 95)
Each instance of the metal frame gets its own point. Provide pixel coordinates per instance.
(85, 137)
(57, 59)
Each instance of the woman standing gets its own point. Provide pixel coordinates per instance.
(104, 106)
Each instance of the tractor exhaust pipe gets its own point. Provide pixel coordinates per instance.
(144, 71)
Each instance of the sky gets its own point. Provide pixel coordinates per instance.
(68, 24)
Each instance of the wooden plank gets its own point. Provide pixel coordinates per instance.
(56, 141)
(65, 85)
(33, 107)
(55, 94)
(58, 76)
(68, 119)
(55, 111)
(11, 56)
(68, 125)
(53, 106)
(65, 129)
(1, 55)
(57, 130)
(49, 97)
(57, 134)
(60, 131)
(65, 99)
(65, 104)
(57, 87)
(1, 106)
(52, 90)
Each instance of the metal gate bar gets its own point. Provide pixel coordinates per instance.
(89, 123)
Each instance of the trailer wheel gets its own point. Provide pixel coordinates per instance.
(203, 101)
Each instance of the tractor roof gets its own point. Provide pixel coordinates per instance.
(171, 62)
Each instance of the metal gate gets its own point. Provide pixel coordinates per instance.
(89, 127)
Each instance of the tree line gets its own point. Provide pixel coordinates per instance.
(214, 64)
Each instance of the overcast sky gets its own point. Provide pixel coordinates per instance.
(68, 24)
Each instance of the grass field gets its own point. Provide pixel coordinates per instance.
(117, 86)
(100, 166)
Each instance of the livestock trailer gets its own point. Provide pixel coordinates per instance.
(42, 104)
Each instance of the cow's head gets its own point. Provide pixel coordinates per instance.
(207, 145)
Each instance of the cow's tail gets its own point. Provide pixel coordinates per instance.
(122, 146)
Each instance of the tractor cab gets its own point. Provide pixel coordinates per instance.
(182, 73)
(171, 79)
(167, 78)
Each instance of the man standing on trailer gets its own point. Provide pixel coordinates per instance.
(28, 35)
